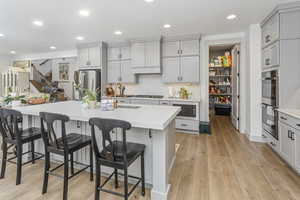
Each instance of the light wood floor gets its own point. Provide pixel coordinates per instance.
(223, 166)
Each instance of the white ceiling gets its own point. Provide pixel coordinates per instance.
(135, 18)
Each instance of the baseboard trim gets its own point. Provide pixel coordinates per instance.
(254, 138)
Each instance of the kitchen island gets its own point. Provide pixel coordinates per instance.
(152, 125)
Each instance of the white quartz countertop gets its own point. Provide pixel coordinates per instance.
(292, 112)
(146, 116)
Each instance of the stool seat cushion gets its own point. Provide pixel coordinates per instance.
(133, 151)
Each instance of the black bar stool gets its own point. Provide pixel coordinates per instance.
(12, 133)
(117, 155)
(65, 146)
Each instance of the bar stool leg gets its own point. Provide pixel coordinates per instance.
(72, 163)
(66, 176)
(116, 178)
(19, 163)
(98, 180)
(32, 152)
(143, 173)
(4, 157)
(46, 172)
(125, 183)
(91, 164)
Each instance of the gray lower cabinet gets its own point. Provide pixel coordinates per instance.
(183, 69)
(120, 72)
(289, 136)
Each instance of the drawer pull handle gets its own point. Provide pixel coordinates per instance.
(292, 136)
(267, 61)
(268, 38)
(184, 125)
(289, 134)
(298, 125)
(283, 118)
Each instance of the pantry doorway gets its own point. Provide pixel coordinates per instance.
(224, 89)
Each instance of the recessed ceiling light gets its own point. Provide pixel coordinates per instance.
(1, 35)
(38, 23)
(118, 33)
(84, 13)
(52, 47)
(79, 38)
(13, 52)
(167, 26)
(149, 1)
(230, 17)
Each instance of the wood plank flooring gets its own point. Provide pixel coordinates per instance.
(223, 166)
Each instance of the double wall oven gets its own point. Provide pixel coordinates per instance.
(270, 102)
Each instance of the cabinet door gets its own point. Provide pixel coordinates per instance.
(190, 47)
(285, 144)
(127, 75)
(270, 31)
(171, 69)
(289, 25)
(113, 72)
(82, 57)
(271, 56)
(114, 53)
(138, 54)
(125, 53)
(296, 137)
(171, 49)
(189, 69)
(152, 53)
(95, 56)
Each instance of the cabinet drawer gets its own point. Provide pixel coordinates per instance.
(293, 122)
(124, 100)
(270, 30)
(164, 103)
(183, 124)
(270, 57)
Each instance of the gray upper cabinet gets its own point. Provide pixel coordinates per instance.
(270, 30)
(119, 68)
(270, 56)
(113, 72)
(181, 61)
(189, 68)
(171, 70)
(290, 25)
(189, 48)
(91, 55)
(146, 57)
(119, 53)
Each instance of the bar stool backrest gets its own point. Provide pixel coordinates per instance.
(9, 123)
(106, 126)
(49, 136)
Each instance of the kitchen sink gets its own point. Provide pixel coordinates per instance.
(129, 106)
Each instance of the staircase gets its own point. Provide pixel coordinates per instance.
(42, 84)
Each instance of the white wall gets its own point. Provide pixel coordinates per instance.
(254, 123)
(5, 61)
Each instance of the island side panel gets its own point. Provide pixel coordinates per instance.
(163, 157)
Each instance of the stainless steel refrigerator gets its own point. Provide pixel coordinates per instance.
(90, 79)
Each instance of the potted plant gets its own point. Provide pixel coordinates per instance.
(90, 99)
(14, 100)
